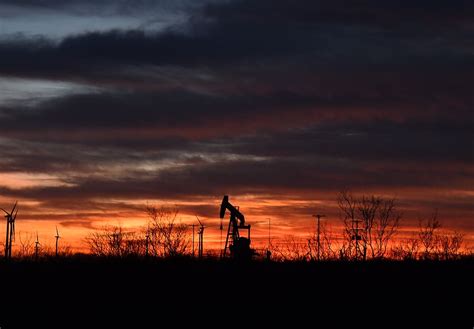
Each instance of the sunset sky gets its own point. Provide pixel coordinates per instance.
(106, 106)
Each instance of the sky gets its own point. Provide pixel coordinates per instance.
(106, 106)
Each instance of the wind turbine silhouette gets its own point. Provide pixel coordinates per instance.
(200, 238)
(57, 240)
(37, 245)
(10, 231)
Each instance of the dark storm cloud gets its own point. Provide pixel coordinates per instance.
(178, 109)
(65, 4)
(86, 132)
(442, 142)
(86, 54)
(42, 18)
(361, 12)
(321, 158)
(252, 176)
(101, 7)
(245, 102)
(367, 12)
(340, 34)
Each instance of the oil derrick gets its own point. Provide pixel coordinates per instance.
(237, 245)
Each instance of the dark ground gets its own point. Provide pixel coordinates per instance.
(91, 293)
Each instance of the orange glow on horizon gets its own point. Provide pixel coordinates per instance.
(289, 217)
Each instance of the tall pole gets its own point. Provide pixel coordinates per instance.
(318, 216)
(57, 239)
(193, 240)
(201, 241)
(7, 244)
(319, 230)
(12, 236)
(36, 247)
(10, 230)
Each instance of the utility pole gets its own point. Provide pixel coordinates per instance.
(193, 240)
(318, 216)
(269, 253)
(356, 237)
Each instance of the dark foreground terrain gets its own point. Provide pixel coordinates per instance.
(107, 293)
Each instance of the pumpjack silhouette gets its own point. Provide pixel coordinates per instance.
(237, 245)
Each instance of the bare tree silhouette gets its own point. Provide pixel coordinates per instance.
(450, 245)
(372, 220)
(113, 241)
(430, 242)
(167, 237)
(407, 249)
(427, 235)
(290, 248)
(26, 246)
(384, 227)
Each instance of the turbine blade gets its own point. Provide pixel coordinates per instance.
(14, 206)
(199, 221)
